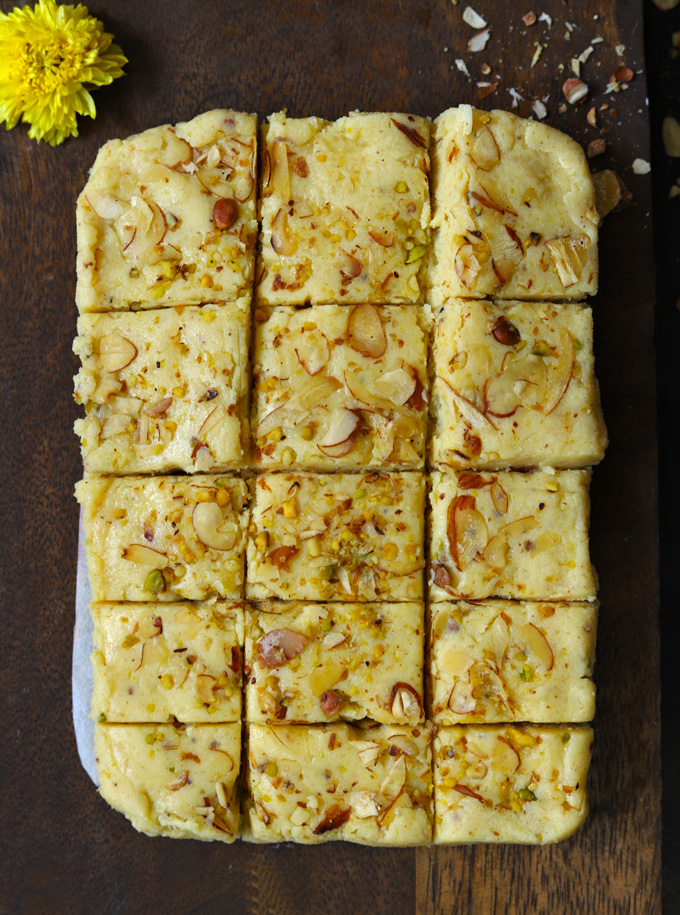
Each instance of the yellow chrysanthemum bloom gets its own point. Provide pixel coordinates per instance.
(46, 55)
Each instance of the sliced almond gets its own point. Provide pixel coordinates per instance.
(466, 265)
(500, 638)
(175, 151)
(536, 643)
(343, 424)
(284, 241)
(397, 385)
(365, 332)
(405, 704)
(208, 523)
(116, 352)
(461, 700)
(455, 663)
(608, 191)
(404, 744)
(364, 393)
(505, 759)
(367, 750)
(312, 350)
(364, 805)
(150, 226)
(469, 412)
(214, 419)
(383, 238)
(114, 425)
(395, 779)
(560, 375)
(159, 407)
(333, 639)
(145, 556)
(496, 552)
(279, 646)
(499, 497)
(280, 171)
(520, 527)
(105, 205)
(467, 531)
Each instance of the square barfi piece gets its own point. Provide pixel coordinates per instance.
(168, 216)
(324, 662)
(499, 660)
(345, 209)
(314, 784)
(164, 538)
(515, 386)
(519, 535)
(156, 663)
(164, 390)
(172, 781)
(337, 537)
(514, 210)
(340, 388)
(525, 785)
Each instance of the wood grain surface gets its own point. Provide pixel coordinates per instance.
(63, 849)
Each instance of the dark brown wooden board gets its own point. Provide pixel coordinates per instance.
(63, 849)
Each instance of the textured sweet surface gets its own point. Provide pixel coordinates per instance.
(515, 386)
(164, 390)
(513, 210)
(340, 388)
(498, 660)
(322, 662)
(178, 782)
(337, 537)
(345, 209)
(520, 535)
(510, 784)
(156, 663)
(168, 216)
(314, 784)
(164, 538)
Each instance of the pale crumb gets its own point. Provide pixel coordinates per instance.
(537, 53)
(539, 109)
(620, 49)
(671, 137)
(479, 41)
(674, 192)
(641, 167)
(544, 17)
(665, 5)
(516, 97)
(462, 66)
(576, 66)
(473, 19)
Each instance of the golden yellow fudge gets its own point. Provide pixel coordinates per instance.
(345, 209)
(156, 663)
(314, 784)
(172, 781)
(164, 538)
(513, 210)
(168, 216)
(322, 662)
(515, 386)
(337, 537)
(520, 535)
(164, 390)
(501, 660)
(525, 785)
(340, 388)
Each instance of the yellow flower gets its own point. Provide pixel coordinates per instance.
(46, 55)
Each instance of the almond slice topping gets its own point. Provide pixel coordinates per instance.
(312, 350)
(116, 352)
(145, 556)
(279, 646)
(485, 152)
(397, 385)
(365, 332)
(467, 531)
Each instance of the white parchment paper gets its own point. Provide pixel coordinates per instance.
(81, 671)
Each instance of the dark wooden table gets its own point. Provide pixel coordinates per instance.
(63, 849)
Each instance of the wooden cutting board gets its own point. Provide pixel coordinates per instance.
(63, 848)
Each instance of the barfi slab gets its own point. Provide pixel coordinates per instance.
(340, 388)
(513, 210)
(323, 662)
(515, 386)
(171, 781)
(164, 538)
(498, 660)
(315, 784)
(519, 535)
(337, 537)
(156, 663)
(168, 216)
(345, 209)
(525, 785)
(164, 390)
